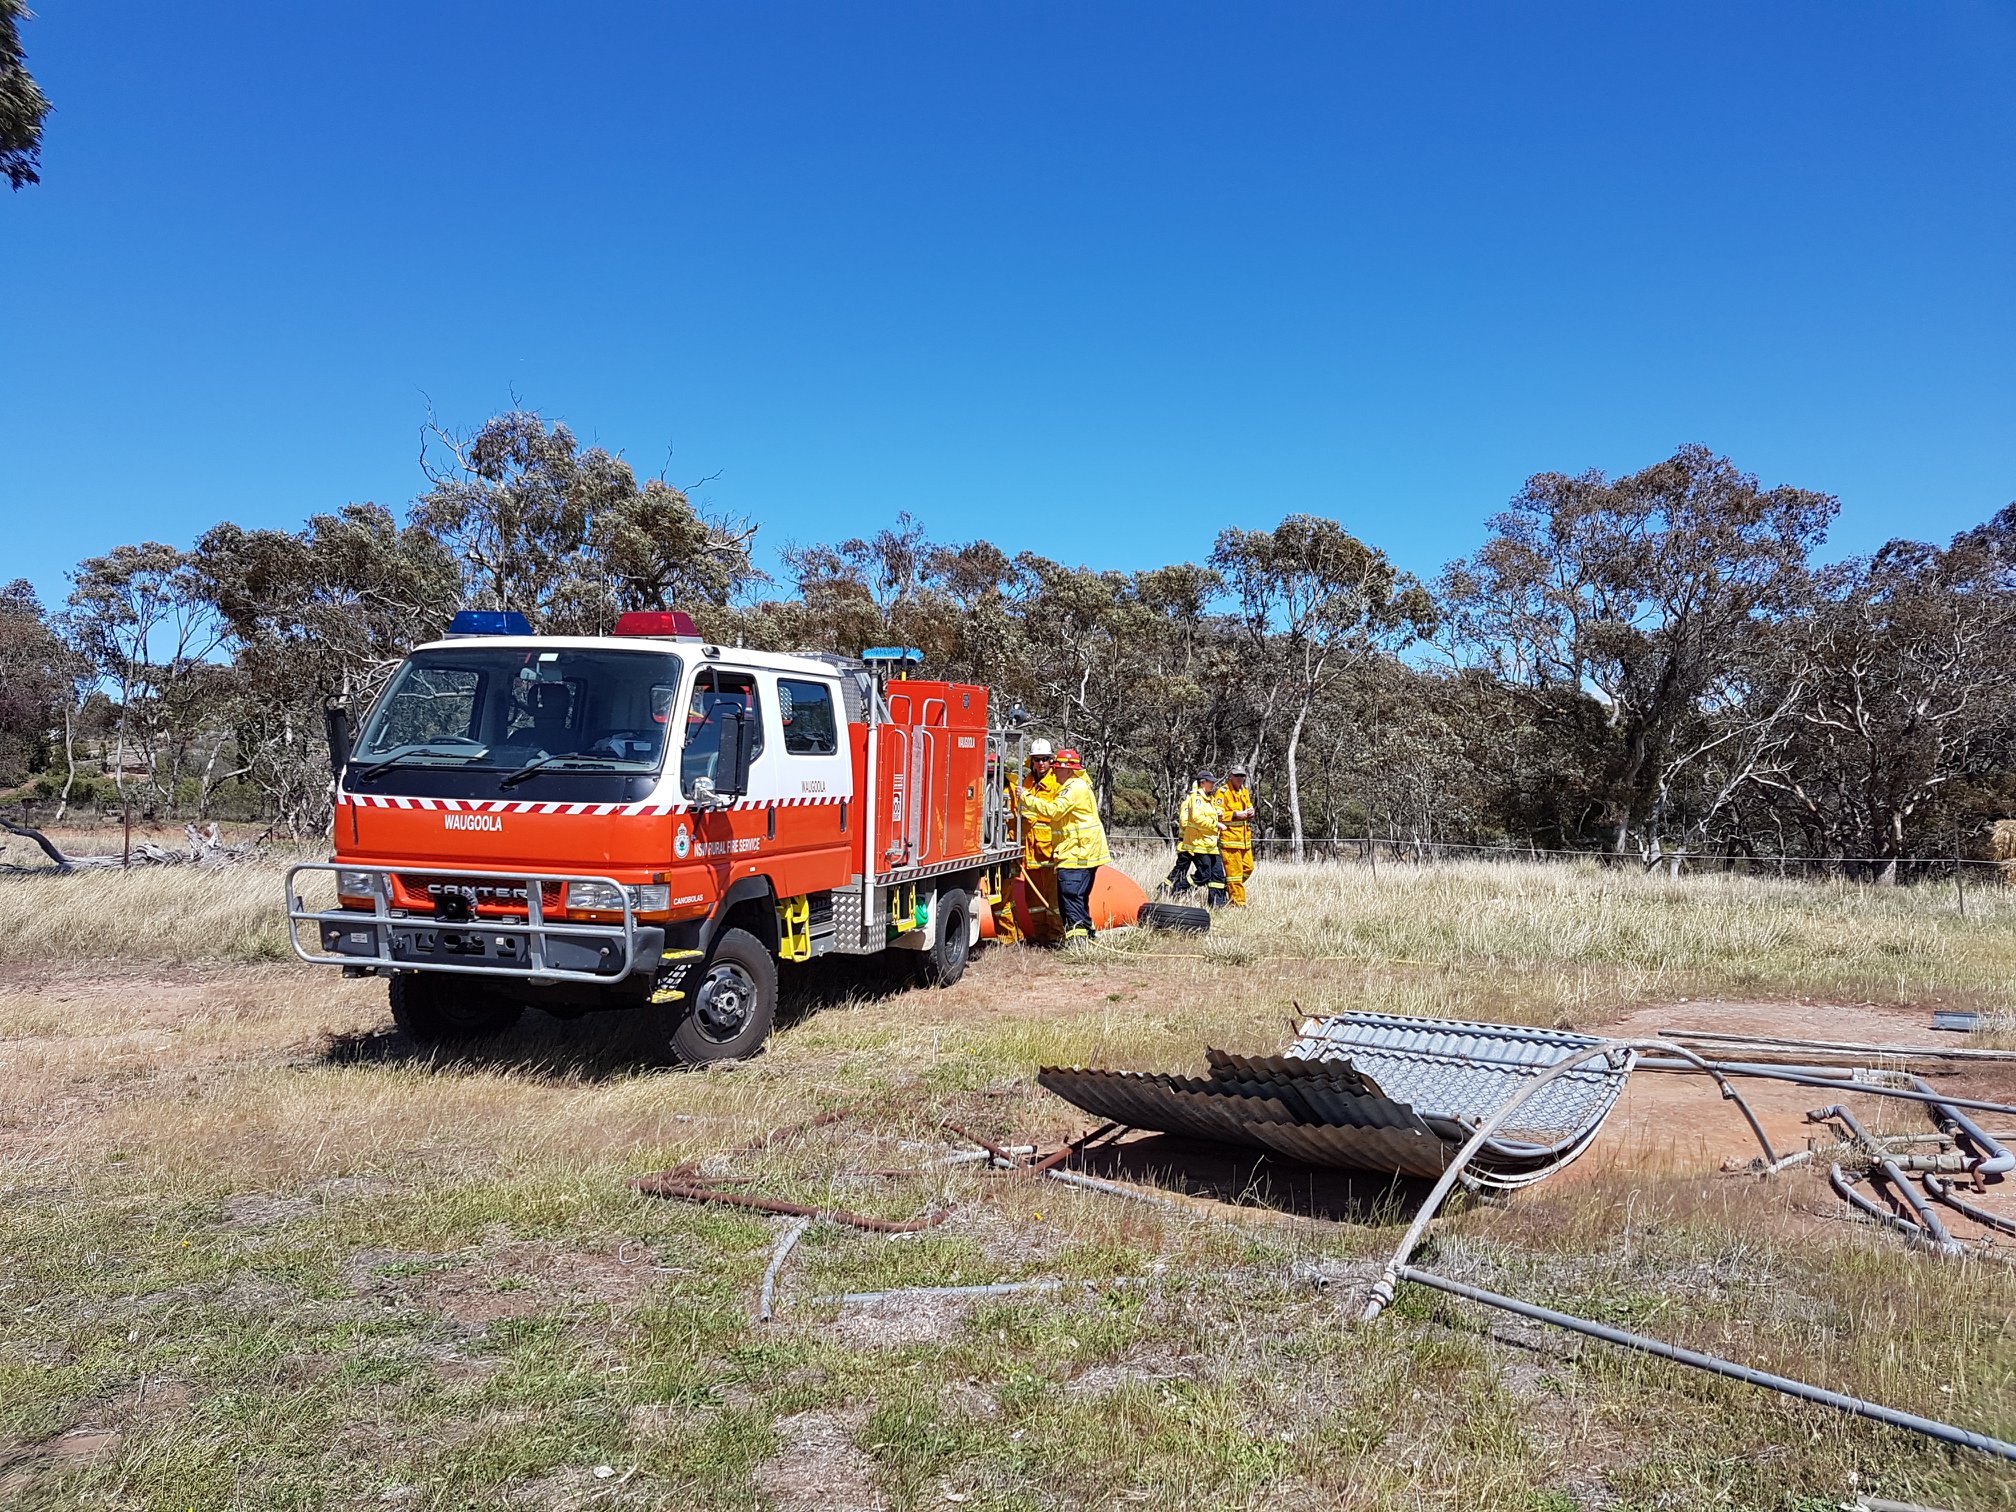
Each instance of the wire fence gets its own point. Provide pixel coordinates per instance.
(1373, 851)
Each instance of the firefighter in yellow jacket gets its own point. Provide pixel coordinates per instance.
(1197, 861)
(1039, 856)
(1235, 834)
(1078, 841)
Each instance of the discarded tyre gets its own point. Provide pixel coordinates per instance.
(1174, 916)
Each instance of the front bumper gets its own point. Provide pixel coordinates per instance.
(534, 948)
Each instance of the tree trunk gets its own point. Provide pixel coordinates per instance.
(69, 762)
(1294, 780)
(48, 846)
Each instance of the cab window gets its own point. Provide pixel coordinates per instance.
(427, 703)
(717, 694)
(805, 709)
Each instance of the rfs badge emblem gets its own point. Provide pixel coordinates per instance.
(682, 843)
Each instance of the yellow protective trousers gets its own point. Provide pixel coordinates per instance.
(1238, 867)
(1039, 895)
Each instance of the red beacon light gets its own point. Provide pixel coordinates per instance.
(658, 624)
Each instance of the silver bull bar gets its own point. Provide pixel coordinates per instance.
(383, 939)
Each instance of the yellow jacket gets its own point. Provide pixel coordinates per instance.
(1197, 824)
(1235, 811)
(1038, 848)
(1079, 839)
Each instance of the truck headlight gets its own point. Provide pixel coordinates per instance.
(651, 897)
(356, 884)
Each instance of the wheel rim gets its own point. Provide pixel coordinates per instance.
(465, 1010)
(726, 998)
(957, 941)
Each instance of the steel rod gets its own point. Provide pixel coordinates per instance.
(1936, 1052)
(1116, 1189)
(784, 1247)
(1840, 1402)
(1382, 1292)
(1810, 1076)
(997, 1289)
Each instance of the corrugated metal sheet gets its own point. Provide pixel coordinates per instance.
(1376, 1092)
(1465, 1071)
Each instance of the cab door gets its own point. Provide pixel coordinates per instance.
(813, 775)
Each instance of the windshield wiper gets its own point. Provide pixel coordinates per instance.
(399, 758)
(537, 762)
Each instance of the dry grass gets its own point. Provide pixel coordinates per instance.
(151, 913)
(273, 1259)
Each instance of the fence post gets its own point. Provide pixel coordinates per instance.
(1959, 872)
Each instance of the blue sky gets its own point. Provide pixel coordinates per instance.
(1092, 279)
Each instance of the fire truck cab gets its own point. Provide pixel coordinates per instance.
(645, 820)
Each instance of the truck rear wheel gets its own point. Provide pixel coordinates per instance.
(945, 962)
(438, 1009)
(732, 1005)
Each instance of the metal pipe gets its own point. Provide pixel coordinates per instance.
(1382, 1292)
(1951, 1165)
(784, 1247)
(1928, 1225)
(998, 1289)
(1838, 1179)
(974, 1157)
(1928, 1222)
(1941, 1052)
(1942, 1193)
(1813, 1076)
(1854, 1406)
(1115, 1189)
(1999, 1161)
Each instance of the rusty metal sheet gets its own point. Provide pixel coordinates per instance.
(1377, 1092)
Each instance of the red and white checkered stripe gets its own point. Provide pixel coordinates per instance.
(523, 806)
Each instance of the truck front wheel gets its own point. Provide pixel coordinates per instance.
(732, 1005)
(438, 1009)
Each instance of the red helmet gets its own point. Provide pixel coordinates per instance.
(1068, 757)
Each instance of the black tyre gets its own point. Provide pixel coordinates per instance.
(731, 1005)
(438, 1009)
(1174, 916)
(945, 962)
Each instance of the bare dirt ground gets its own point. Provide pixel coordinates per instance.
(1678, 1122)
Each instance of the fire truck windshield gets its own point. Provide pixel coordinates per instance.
(517, 710)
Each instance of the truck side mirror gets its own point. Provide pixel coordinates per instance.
(336, 721)
(731, 767)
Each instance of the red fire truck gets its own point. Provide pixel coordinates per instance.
(643, 819)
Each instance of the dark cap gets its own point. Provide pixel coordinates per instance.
(1207, 776)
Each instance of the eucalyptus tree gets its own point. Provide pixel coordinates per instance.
(1314, 602)
(567, 536)
(313, 615)
(140, 619)
(23, 106)
(1630, 609)
(1901, 675)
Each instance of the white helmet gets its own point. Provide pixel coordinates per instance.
(1039, 748)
